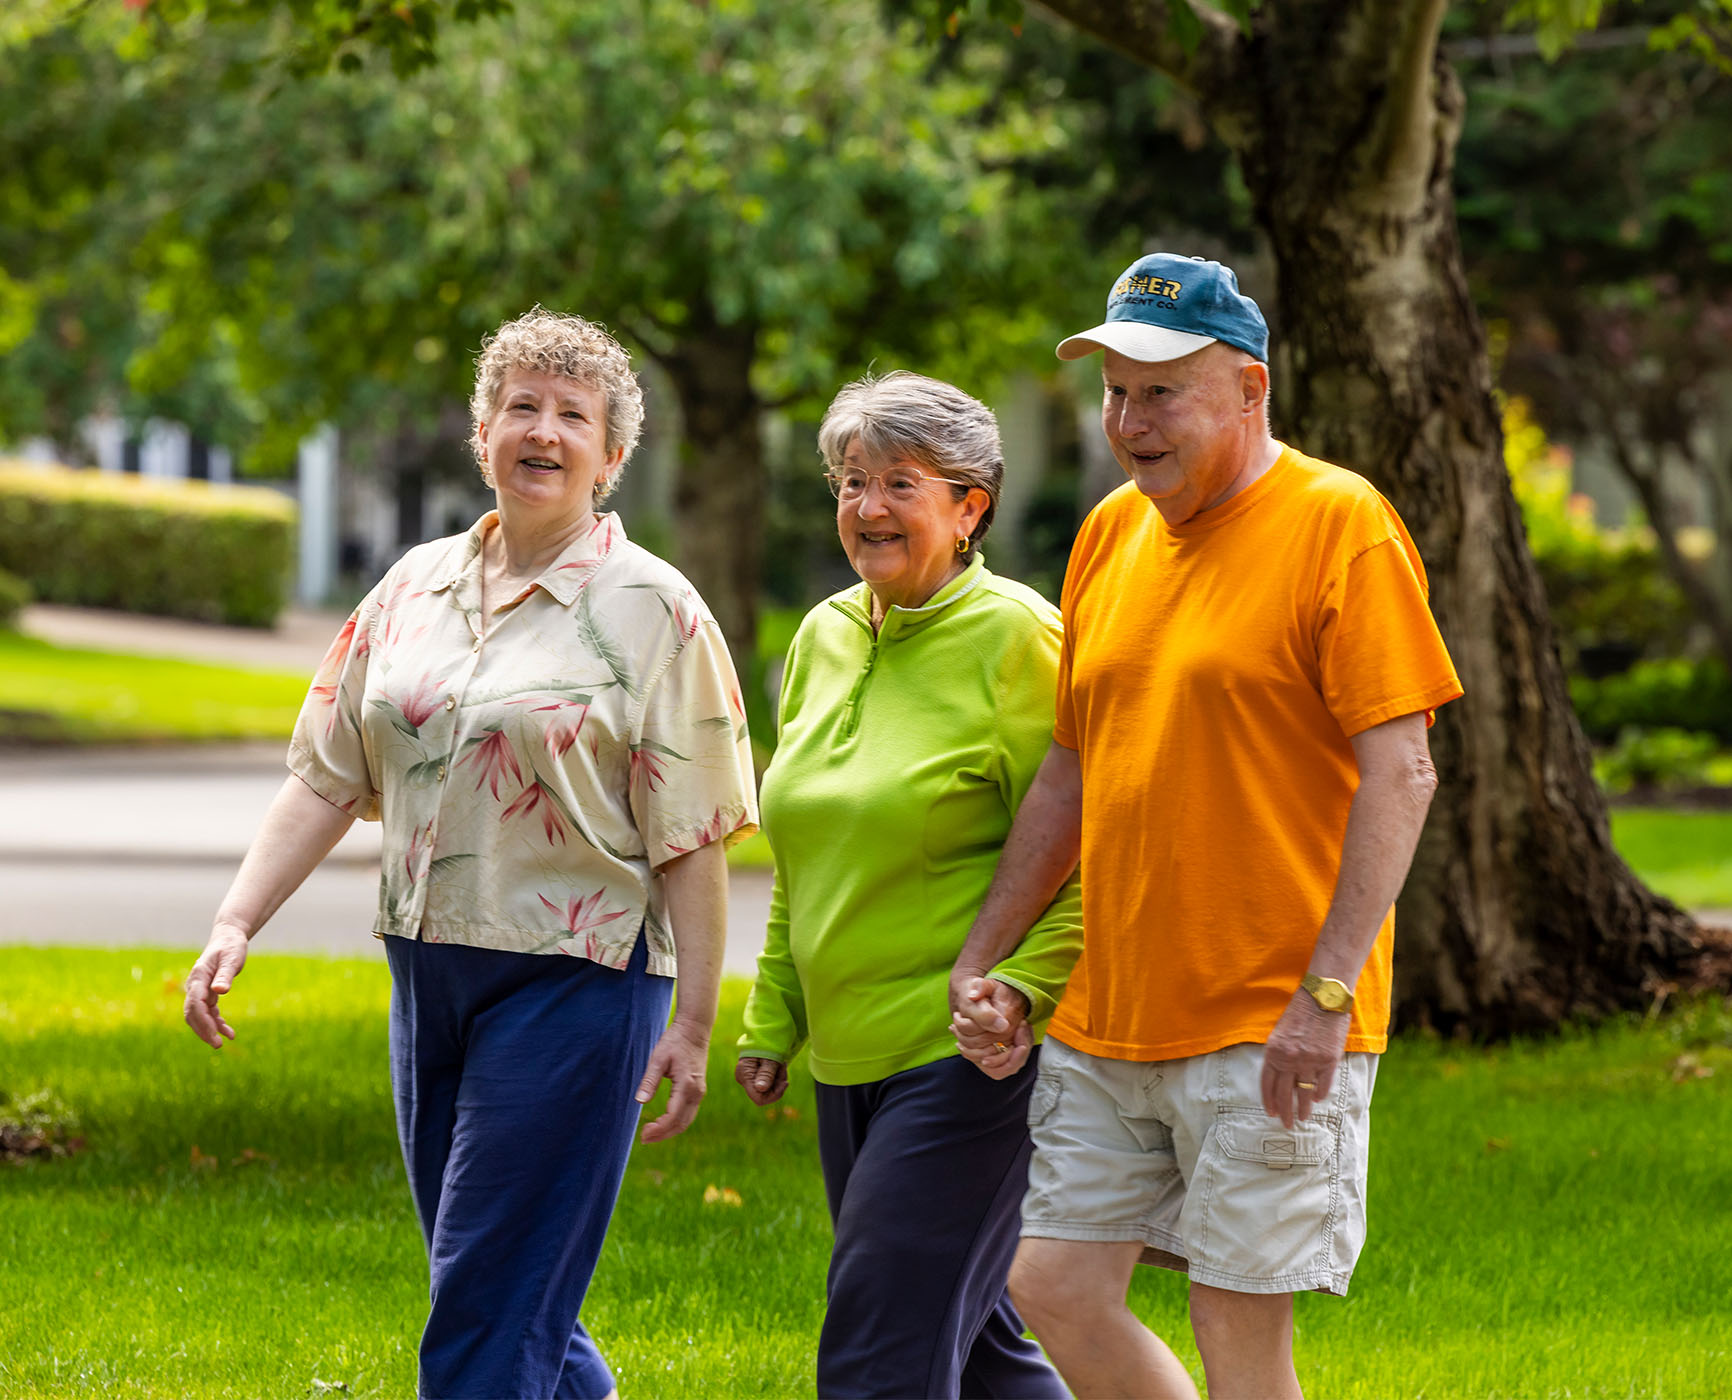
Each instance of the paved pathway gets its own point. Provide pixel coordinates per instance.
(297, 643)
(129, 847)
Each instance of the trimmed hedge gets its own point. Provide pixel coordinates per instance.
(14, 594)
(1674, 694)
(143, 544)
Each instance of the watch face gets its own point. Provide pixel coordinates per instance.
(1329, 993)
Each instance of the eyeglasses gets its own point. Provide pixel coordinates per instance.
(898, 483)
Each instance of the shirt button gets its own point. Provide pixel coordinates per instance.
(441, 772)
(477, 646)
(451, 702)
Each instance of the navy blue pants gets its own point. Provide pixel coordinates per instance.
(513, 1075)
(925, 1172)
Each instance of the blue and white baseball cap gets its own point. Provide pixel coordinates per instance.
(1165, 305)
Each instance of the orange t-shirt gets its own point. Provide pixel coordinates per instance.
(1211, 677)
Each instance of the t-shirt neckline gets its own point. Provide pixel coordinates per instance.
(1216, 516)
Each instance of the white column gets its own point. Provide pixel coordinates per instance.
(164, 450)
(106, 434)
(316, 477)
(222, 465)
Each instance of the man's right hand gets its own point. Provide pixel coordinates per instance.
(764, 1081)
(212, 975)
(990, 1022)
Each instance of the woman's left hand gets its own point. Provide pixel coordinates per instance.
(679, 1057)
(990, 1022)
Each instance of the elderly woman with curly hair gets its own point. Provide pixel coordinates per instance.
(916, 708)
(545, 720)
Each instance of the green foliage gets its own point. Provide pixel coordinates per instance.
(281, 1149)
(1606, 589)
(14, 596)
(308, 36)
(1655, 760)
(1676, 693)
(180, 549)
(251, 256)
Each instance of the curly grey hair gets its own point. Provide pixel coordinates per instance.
(903, 416)
(551, 342)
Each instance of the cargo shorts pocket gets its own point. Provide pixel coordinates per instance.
(1269, 1195)
(1043, 1099)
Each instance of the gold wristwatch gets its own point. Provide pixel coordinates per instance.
(1327, 992)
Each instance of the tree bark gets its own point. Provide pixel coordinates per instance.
(719, 492)
(1518, 913)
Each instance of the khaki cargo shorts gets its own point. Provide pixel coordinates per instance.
(1181, 1155)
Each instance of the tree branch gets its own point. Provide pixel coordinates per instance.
(1143, 30)
(1401, 150)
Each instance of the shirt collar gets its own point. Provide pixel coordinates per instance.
(564, 578)
(857, 602)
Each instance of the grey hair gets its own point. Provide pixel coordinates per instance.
(552, 342)
(902, 416)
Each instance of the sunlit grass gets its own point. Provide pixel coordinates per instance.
(76, 695)
(1686, 856)
(1548, 1219)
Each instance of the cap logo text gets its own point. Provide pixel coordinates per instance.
(1146, 286)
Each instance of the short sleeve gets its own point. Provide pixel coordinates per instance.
(326, 751)
(691, 759)
(1380, 655)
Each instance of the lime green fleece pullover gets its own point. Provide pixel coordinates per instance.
(901, 760)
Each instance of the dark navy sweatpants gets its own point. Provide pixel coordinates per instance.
(925, 1172)
(513, 1075)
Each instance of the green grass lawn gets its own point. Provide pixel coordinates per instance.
(1686, 856)
(59, 694)
(1547, 1219)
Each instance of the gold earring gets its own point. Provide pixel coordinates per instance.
(962, 544)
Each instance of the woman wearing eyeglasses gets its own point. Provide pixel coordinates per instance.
(915, 710)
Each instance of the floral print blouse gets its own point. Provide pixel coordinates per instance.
(532, 774)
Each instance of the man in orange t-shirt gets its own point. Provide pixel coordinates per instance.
(1249, 669)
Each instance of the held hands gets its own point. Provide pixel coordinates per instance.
(990, 1022)
(679, 1057)
(1301, 1058)
(211, 976)
(764, 1081)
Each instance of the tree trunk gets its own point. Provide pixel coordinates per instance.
(719, 492)
(1518, 913)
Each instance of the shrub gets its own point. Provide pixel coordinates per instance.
(14, 594)
(1675, 694)
(1608, 592)
(178, 548)
(1655, 758)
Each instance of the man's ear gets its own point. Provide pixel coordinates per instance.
(1253, 387)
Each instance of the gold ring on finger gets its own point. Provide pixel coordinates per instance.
(1306, 1084)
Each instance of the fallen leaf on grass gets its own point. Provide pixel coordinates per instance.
(1688, 1066)
(721, 1196)
(326, 1387)
(1497, 1144)
(250, 1155)
(203, 1161)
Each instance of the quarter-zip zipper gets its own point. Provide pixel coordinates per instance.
(856, 696)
